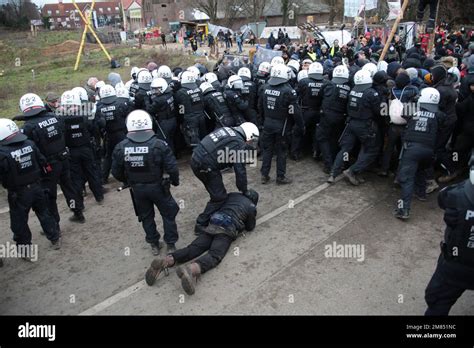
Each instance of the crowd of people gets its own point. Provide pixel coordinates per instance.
(408, 114)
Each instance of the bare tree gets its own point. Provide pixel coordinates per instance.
(209, 7)
(254, 9)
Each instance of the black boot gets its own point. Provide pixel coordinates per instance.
(78, 217)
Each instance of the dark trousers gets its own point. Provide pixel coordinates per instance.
(274, 141)
(146, 197)
(212, 181)
(216, 246)
(462, 148)
(440, 294)
(363, 131)
(416, 158)
(167, 131)
(61, 175)
(395, 133)
(421, 8)
(111, 141)
(310, 118)
(84, 168)
(194, 129)
(20, 202)
(328, 133)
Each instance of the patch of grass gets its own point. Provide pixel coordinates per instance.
(56, 73)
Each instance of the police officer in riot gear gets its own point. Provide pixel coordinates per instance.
(191, 109)
(455, 269)
(141, 160)
(294, 65)
(21, 165)
(237, 214)
(238, 105)
(419, 142)
(363, 108)
(132, 85)
(216, 107)
(47, 131)
(214, 81)
(279, 106)
(334, 106)
(160, 105)
(249, 94)
(165, 73)
(144, 79)
(224, 148)
(114, 113)
(78, 134)
(311, 98)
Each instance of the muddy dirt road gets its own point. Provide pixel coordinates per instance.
(280, 268)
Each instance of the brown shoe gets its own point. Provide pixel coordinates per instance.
(188, 275)
(157, 266)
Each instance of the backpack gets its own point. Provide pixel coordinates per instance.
(395, 110)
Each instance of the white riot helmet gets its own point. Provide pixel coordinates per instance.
(139, 126)
(107, 94)
(71, 98)
(371, 68)
(277, 61)
(250, 131)
(31, 104)
(82, 93)
(340, 74)
(122, 92)
(455, 72)
(159, 84)
(99, 85)
(164, 72)
(154, 73)
(9, 132)
(206, 87)
(235, 82)
(315, 71)
(294, 64)
(429, 99)
(303, 74)
(382, 65)
(244, 72)
(362, 80)
(210, 77)
(144, 79)
(471, 169)
(134, 72)
(279, 74)
(188, 77)
(195, 71)
(264, 67)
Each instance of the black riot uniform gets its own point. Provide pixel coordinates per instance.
(419, 142)
(332, 120)
(363, 107)
(249, 94)
(279, 106)
(216, 107)
(310, 92)
(79, 132)
(455, 269)
(133, 90)
(140, 96)
(237, 214)
(140, 161)
(238, 105)
(161, 107)
(207, 163)
(21, 166)
(114, 112)
(190, 109)
(47, 131)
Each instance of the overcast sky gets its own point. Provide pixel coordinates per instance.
(40, 3)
